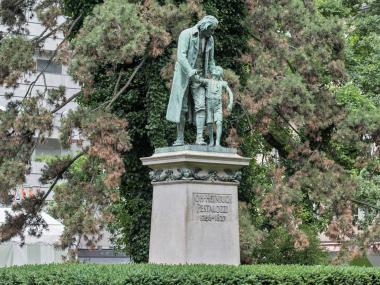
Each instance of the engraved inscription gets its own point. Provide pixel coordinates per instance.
(211, 207)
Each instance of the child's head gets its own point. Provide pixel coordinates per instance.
(217, 72)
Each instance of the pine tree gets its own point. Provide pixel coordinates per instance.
(296, 56)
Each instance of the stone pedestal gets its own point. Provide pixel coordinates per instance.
(195, 205)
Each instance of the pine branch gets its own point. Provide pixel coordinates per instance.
(307, 4)
(365, 204)
(281, 148)
(117, 95)
(59, 177)
(3, 35)
(255, 37)
(117, 84)
(250, 124)
(43, 37)
(65, 103)
(277, 109)
(31, 86)
(18, 2)
(16, 225)
(291, 66)
(36, 39)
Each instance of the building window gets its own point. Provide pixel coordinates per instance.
(51, 147)
(52, 67)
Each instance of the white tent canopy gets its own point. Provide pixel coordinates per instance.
(36, 250)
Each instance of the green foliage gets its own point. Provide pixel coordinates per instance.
(333, 7)
(73, 8)
(278, 248)
(82, 202)
(13, 64)
(287, 55)
(11, 174)
(71, 274)
(260, 243)
(13, 13)
(132, 225)
(18, 124)
(296, 53)
(250, 237)
(143, 105)
(361, 261)
(362, 119)
(363, 52)
(368, 190)
(352, 98)
(144, 108)
(361, 98)
(256, 177)
(119, 32)
(126, 37)
(231, 36)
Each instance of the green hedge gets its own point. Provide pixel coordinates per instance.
(80, 274)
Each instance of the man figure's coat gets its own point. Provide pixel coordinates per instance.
(187, 53)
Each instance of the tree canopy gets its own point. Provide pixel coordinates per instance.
(306, 76)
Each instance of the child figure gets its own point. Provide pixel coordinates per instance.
(214, 91)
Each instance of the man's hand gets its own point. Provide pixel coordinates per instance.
(195, 78)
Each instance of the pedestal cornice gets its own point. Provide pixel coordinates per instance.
(185, 156)
(195, 163)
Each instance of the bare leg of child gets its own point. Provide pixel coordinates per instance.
(210, 128)
(218, 133)
(180, 131)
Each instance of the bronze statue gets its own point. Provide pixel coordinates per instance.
(195, 56)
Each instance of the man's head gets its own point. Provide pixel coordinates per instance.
(207, 25)
(217, 72)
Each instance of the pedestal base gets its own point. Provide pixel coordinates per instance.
(194, 223)
(195, 207)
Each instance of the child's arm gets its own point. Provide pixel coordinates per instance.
(201, 80)
(231, 96)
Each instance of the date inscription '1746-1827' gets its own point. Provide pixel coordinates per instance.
(210, 207)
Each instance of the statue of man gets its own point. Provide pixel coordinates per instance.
(195, 56)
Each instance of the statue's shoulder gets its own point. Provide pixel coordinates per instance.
(190, 31)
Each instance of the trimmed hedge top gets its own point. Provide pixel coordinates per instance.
(147, 274)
